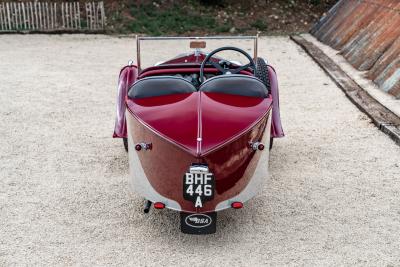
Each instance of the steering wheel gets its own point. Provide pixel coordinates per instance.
(223, 69)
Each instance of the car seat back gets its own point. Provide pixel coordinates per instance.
(159, 86)
(235, 84)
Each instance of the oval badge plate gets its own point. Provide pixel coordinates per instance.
(198, 220)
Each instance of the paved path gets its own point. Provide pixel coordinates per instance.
(333, 196)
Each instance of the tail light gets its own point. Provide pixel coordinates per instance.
(159, 205)
(237, 205)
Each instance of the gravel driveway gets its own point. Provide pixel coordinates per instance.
(333, 196)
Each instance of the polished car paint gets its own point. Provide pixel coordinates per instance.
(225, 149)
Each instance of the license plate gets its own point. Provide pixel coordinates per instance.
(198, 185)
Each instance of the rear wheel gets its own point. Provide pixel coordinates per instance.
(125, 140)
(262, 73)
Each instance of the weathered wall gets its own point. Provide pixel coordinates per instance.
(367, 32)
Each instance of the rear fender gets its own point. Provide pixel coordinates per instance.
(127, 77)
(276, 126)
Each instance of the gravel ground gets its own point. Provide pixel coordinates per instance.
(332, 197)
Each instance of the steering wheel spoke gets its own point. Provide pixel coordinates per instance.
(237, 70)
(220, 68)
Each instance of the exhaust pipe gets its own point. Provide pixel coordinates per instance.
(147, 206)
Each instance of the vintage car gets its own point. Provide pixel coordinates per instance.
(198, 126)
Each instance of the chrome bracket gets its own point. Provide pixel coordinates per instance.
(143, 146)
(257, 145)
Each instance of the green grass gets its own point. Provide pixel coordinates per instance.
(154, 20)
(259, 25)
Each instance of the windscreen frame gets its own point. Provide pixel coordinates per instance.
(144, 38)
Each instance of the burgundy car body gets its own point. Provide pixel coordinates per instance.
(214, 129)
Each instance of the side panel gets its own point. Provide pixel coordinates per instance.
(127, 77)
(142, 167)
(235, 166)
(258, 172)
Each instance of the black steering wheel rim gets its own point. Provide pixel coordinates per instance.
(212, 53)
